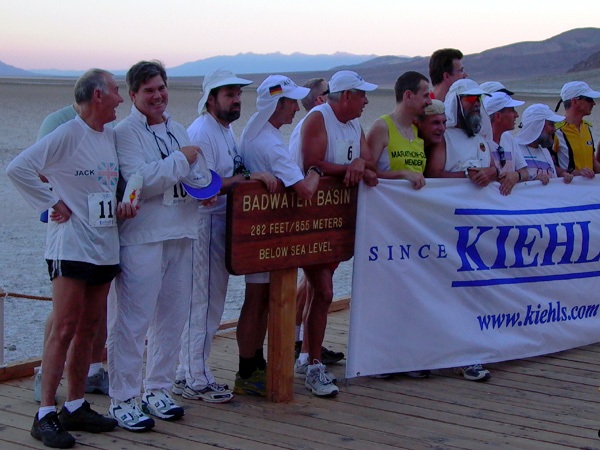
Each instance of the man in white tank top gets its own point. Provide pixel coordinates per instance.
(332, 139)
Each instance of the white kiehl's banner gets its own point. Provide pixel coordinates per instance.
(453, 274)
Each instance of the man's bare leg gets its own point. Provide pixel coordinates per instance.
(92, 319)
(321, 280)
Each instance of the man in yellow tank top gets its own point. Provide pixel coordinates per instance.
(393, 138)
(573, 140)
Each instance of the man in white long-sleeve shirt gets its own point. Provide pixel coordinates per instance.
(82, 249)
(154, 288)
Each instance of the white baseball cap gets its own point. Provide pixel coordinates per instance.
(495, 86)
(269, 92)
(466, 86)
(498, 101)
(533, 121)
(218, 78)
(577, 89)
(346, 79)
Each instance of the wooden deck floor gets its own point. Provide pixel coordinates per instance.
(549, 402)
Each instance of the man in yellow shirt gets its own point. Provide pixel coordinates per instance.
(573, 141)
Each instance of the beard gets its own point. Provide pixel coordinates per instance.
(546, 140)
(471, 122)
(227, 116)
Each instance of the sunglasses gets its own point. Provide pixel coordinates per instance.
(326, 92)
(471, 98)
(587, 99)
(502, 156)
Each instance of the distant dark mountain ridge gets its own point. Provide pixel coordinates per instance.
(593, 62)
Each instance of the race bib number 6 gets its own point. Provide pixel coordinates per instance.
(102, 208)
(345, 151)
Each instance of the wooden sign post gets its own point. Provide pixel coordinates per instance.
(279, 232)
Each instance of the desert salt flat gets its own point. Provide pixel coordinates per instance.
(24, 105)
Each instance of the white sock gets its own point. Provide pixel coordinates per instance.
(74, 405)
(303, 357)
(298, 332)
(94, 368)
(44, 411)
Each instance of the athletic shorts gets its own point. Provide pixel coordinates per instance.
(92, 274)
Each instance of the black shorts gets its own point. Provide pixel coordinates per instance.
(92, 274)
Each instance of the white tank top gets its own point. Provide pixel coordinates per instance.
(343, 139)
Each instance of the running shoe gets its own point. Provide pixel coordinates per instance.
(50, 431)
(418, 373)
(301, 369)
(97, 383)
(129, 415)
(178, 387)
(37, 388)
(85, 418)
(474, 372)
(159, 403)
(211, 393)
(319, 382)
(327, 356)
(255, 385)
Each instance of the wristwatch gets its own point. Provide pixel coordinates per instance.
(315, 169)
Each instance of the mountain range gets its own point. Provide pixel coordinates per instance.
(573, 50)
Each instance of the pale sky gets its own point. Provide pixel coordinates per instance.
(114, 34)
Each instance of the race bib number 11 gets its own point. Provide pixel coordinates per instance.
(102, 207)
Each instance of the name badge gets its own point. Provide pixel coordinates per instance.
(345, 151)
(176, 195)
(102, 208)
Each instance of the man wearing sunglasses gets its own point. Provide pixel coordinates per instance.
(505, 152)
(573, 141)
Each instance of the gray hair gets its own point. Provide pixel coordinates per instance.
(314, 84)
(88, 82)
(335, 97)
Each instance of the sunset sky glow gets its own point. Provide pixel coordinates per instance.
(76, 35)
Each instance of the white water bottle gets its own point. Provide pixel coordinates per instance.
(133, 189)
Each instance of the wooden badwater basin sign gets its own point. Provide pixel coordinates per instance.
(267, 232)
(278, 233)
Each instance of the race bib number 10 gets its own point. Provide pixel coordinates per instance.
(345, 151)
(102, 207)
(176, 195)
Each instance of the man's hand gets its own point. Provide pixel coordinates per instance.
(370, 178)
(584, 172)
(543, 177)
(482, 176)
(126, 210)
(417, 179)
(209, 201)
(507, 182)
(568, 177)
(268, 179)
(191, 153)
(60, 212)
(354, 172)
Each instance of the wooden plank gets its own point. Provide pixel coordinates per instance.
(282, 320)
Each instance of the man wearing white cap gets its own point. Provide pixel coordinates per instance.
(219, 106)
(574, 141)
(332, 139)
(393, 139)
(535, 138)
(263, 149)
(490, 87)
(505, 152)
(432, 126)
(466, 153)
